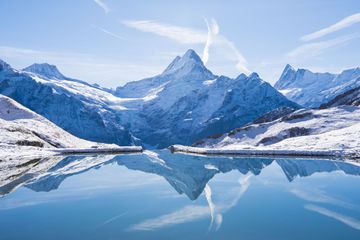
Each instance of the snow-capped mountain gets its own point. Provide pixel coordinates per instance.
(186, 69)
(313, 89)
(183, 104)
(187, 102)
(81, 109)
(51, 72)
(46, 70)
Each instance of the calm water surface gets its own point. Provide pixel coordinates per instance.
(159, 195)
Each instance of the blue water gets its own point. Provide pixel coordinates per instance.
(175, 196)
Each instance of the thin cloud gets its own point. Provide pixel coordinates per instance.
(108, 32)
(223, 205)
(320, 197)
(216, 217)
(112, 219)
(185, 35)
(182, 35)
(103, 5)
(184, 215)
(213, 30)
(344, 23)
(351, 222)
(317, 48)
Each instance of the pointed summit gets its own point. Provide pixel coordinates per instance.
(288, 67)
(189, 63)
(45, 69)
(4, 65)
(286, 78)
(191, 54)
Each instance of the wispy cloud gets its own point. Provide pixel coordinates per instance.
(317, 48)
(213, 30)
(108, 32)
(103, 5)
(186, 214)
(185, 35)
(351, 222)
(320, 196)
(180, 34)
(216, 216)
(112, 219)
(344, 23)
(225, 204)
(196, 212)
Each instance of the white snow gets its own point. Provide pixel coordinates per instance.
(333, 131)
(23, 131)
(289, 91)
(209, 82)
(97, 95)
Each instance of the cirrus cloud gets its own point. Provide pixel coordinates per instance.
(343, 23)
(186, 35)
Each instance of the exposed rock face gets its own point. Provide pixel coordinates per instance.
(351, 97)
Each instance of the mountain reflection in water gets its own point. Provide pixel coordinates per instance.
(188, 174)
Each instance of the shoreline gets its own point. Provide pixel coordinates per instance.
(109, 150)
(266, 152)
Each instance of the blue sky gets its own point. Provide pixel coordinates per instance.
(111, 42)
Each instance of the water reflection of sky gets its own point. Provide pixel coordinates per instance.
(161, 195)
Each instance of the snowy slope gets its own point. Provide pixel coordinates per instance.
(22, 127)
(313, 89)
(336, 128)
(351, 97)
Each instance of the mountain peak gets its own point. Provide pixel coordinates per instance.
(286, 78)
(191, 54)
(254, 75)
(4, 65)
(189, 63)
(288, 67)
(45, 69)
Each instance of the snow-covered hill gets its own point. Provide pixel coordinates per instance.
(181, 105)
(22, 129)
(313, 89)
(333, 129)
